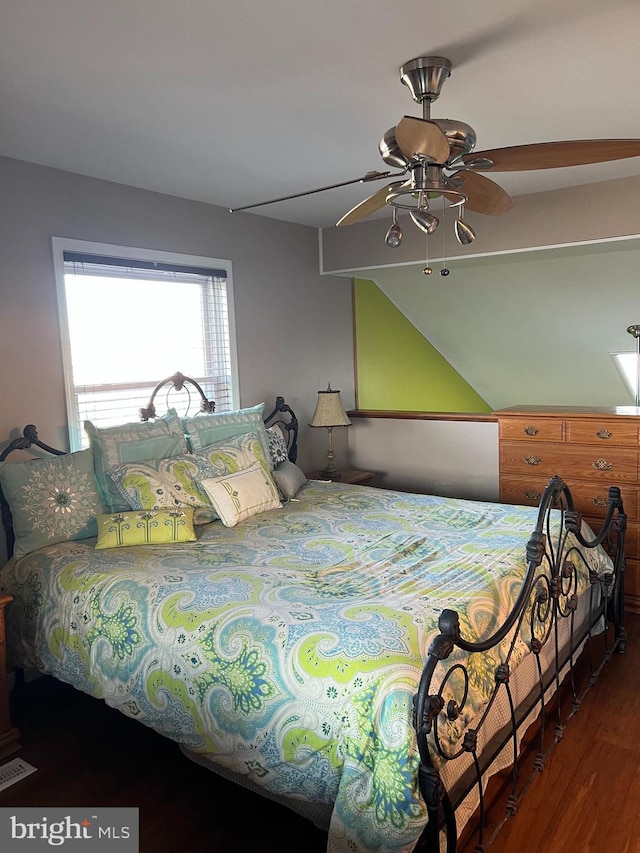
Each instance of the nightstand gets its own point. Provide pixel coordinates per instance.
(8, 734)
(351, 476)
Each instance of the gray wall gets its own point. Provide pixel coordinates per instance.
(294, 327)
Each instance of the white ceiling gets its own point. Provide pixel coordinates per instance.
(234, 102)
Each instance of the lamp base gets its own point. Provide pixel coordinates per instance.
(331, 474)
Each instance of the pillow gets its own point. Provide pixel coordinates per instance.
(162, 483)
(242, 494)
(146, 527)
(278, 449)
(235, 454)
(205, 430)
(132, 442)
(289, 479)
(51, 500)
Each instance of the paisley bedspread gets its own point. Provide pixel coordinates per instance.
(289, 646)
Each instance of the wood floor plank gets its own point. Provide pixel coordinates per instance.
(587, 799)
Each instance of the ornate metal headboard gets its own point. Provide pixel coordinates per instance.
(282, 415)
(289, 427)
(180, 382)
(177, 382)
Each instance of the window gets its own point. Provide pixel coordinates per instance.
(129, 318)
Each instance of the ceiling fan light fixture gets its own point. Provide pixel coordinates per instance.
(394, 235)
(425, 220)
(464, 233)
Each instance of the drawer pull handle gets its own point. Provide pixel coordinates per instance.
(532, 460)
(600, 500)
(532, 495)
(531, 430)
(603, 433)
(601, 465)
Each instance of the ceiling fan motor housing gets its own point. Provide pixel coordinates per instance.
(425, 76)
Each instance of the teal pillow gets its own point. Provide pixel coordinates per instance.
(51, 500)
(205, 430)
(133, 442)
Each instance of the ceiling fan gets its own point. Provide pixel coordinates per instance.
(437, 159)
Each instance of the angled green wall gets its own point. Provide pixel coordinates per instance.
(397, 368)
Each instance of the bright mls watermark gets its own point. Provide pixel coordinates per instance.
(74, 829)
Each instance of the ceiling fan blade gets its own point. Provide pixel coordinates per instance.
(484, 195)
(370, 176)
(365, 208)
(557, 155)
(421, 137)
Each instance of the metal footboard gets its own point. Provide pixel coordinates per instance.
(545, 616)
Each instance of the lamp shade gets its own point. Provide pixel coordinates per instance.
(329, 410)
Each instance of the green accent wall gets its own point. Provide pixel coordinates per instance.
(397, 369)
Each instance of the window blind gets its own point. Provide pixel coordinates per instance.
(132, 323)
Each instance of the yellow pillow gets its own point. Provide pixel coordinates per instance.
(242, 494)
(145, 527)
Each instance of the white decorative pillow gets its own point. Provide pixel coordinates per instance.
(289, 479)
(242, 494)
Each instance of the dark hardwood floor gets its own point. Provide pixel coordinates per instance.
(586, 800)
(88, 754)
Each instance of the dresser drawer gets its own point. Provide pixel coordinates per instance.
(591, 499)
(601, 432)
(572, 463)
(588, 498)
(518, 489)
(630, 538)
(532, 428)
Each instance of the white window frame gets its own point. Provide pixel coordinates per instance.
(60, 245)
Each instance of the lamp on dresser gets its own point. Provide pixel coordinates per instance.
(330, 414)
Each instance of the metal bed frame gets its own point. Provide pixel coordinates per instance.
(547, 599)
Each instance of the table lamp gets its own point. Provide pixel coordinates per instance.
(329, 413)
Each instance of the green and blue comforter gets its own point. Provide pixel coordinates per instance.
(288, 648)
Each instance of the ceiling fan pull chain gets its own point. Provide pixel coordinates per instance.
(427, 270)
(445, 270)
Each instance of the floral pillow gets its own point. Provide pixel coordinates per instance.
(162, 483)
(51, 500)
(278, 450)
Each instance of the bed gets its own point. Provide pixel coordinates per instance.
(367, 657)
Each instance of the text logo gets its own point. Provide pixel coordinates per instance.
(76, 829)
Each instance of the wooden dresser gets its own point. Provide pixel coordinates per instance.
(591, 449)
